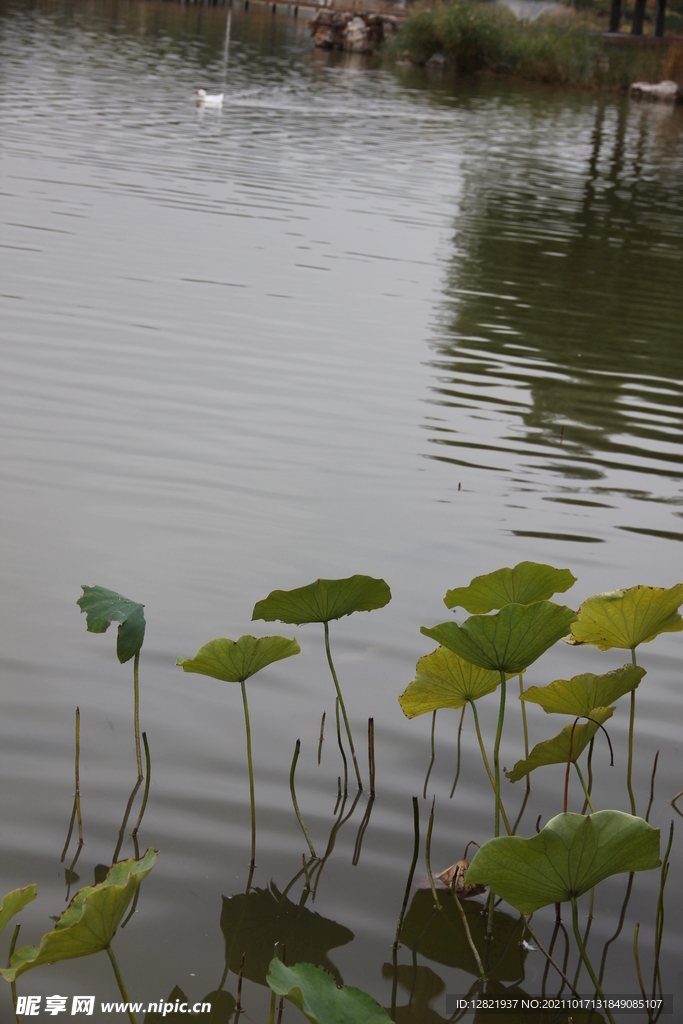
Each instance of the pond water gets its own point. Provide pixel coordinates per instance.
(360, 320)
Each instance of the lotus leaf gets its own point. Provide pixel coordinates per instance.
(323, 600)
(234, 661)
(442, 937)
(15, 901)
(253, 922)
(102, 607)
(556, 750)
(89, 922)
(580, 694)
(508, 641)
(315, 993)
(443, 680)
(567, 858)
(627, 618)
(527, 583)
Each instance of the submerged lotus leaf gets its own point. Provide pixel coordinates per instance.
(102, 607)
(253, 922)
(315, 993)
(236, 660)
(443, 680)
(508, 641)
(580, 694)
(626, 618)
(567, 858)
(15, 901)
(89, 922)
(323, 600)
(527, 583)
(556, 750)
(443, 939)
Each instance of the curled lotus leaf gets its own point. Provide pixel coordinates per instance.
(89, 922)
(315, 993)
(627, 618)
(527, 583)
(443, 680)
(580, 694)
(233, 661)
(508, 641)
(14, 902)
(565, 859)
(102, 607)
(556, 750)
(323, 600)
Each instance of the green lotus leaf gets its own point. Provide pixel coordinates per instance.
(527, 583)
(253, 922)
(627, 618)
(89, 922)
(443, 939)
(102, 607)
(508, 641)
(15, 901)
(443, 680)
(567, 858)
(236, 660)
(315, 993)
(323, 600)
(556, 750)
(580, 694)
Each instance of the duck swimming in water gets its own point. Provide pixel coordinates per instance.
(209, 99)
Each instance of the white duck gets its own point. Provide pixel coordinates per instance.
(209, 99)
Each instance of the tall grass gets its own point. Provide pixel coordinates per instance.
(475, 37)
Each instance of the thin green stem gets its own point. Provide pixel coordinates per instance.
(252, 864)
(585, 791)
(659, 920)
(136, 711)
(13, 985)
(416, 850)
(630, 741)
(431, 763)
(589, 763)
(584, 957)
(496, 753)
(468, 933)
(148, 775)
(341, 702)
(428, 857)
(457, 772)
(297, 748)
(548, 956)
(341, 747)
(78, 776)
(526, 732)
(486, 765)
(122, 987)
(638, 970)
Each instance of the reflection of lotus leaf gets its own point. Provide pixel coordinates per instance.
(222, 1007)
(253, 923)
(424, 985)
(445, 941)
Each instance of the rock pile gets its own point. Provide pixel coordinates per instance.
(345, 30)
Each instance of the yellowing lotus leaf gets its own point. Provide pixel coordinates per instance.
(527, 583)
(580, 694)
(236, 660)
(443, 680)
(627, 618)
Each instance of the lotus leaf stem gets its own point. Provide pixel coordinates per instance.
(371, 754)
(526, 731)
(637, 960)
(589, 763)
(488, 770)
(428, 859)
(238, 1005)
(652, 787)
(431, 763)
(585, 791)
(468, 933)
(617, 933)
(416, 850)
(496, 753)
(122, 987)
(126, 816)
(13, 985)
(136, 712)
(252, 864)
(148, 775)
(457, 773)
(586, 934)
(78, 776)
(659, 920)
(549, 958)
(297, 748)
(322, 731)
(630, 741)
(341, 746)
(341, 701)
(584, 957)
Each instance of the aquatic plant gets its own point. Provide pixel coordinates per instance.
(102, 607)
(88, 924)
(626, 619)
(315, 993)
(323, 601)
(235, 662)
